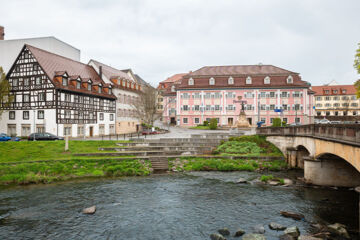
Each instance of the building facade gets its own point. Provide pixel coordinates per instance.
(337, 102)
(57, 95)
(268, 91)
(167, 98)
(126, 87)
(9, 49)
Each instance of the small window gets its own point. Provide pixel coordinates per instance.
(64, 81)
(289, 79)
(26, 81)
(89, 87)
(99, 89)
(248, 80)
(185, 120)
(12, 115)
(344, 91)
(267, 80)
(36, 67)
(26, 98)
(78, 85)
(41, 114)
(26, 115)
(101, 116)
(111, 117)
(38, 81)
(15, 82)
(67, 114)
(109, 90)
(191, 82)
(172, 88)
(231, 80)
(211, 81)
(41, 96)
(197, 120)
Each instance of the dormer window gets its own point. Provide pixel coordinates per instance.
(124, 83)
(231, 80)
(109, 90)
(212, 81)
(99, 89)
(173, 88)
(267, 80)
(191, 82)
(248, 80)
(64, 81)
(344, 91)
(78, 84)
(289, 79)
(89, 86)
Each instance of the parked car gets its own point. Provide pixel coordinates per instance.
(4, 138)
(43, 136)
(324, 121)
(335, 122)
(295, 124)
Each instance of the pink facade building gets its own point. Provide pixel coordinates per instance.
(269, 92)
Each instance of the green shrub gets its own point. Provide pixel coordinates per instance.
(276, 122)
(213, 124)
(265, 178)
(283, 124)
(206, 123)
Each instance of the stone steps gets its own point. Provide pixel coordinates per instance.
(159, 164)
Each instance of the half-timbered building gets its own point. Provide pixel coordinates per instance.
(57, 95)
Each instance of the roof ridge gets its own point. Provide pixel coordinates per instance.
(42, 50)
(106, 65)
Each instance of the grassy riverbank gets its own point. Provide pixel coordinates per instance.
(45, 161)
(218, 164)
(48, 150)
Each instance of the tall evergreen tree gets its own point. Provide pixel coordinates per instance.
(357, 67)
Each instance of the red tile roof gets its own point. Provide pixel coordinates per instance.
(111, 72)
(320, 90)
(174, 78)
(53, 64)
(243, 70)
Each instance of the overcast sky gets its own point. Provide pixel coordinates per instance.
(159, 38)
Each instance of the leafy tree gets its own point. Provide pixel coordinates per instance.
(276, 122)
(5, 97)
(213, 124)
(357, 67)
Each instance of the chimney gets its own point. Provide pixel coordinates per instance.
(100, 71)
(2, 33)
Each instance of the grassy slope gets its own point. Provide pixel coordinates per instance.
(48, 150)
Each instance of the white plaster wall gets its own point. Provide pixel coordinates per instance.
(10, 49)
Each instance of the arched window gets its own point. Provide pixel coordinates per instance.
(211, 81)
(248, 80)
(173, 88)
(231, 80)
(267, 80)
(289, 79)
(191, 81)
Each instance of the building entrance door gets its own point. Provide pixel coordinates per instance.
(249, 120)
(172, 121)
(91, 131)
(230, 121)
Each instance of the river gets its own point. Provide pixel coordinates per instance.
(179, 206)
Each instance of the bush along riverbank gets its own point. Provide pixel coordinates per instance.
(50, 171)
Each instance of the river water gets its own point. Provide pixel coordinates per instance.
(181, 206)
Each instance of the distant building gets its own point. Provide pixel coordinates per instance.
(167, 98)
(9, 49)
(126, 87)
(269, 92)
(337, 102)
(58, 95)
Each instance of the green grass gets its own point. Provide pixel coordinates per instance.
(266, 178)
(201, 127)
(46, 172)
(253, 145)
(217, 164)
(48, 150)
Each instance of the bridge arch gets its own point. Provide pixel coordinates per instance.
(301, 152)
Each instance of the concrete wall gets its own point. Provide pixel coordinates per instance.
(10, 49)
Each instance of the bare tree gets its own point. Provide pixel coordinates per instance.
(146, 105)
(5, 97)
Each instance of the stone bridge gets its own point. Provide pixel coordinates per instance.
(328, 153)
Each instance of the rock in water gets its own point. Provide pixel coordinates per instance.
(224, 231)
(241, 180)
(90, 210)
(308, 238)
(258, 229)
(216, 236)
(286, 237)
(339, 229)
(296, 216)
(273, 183)
(253, 236)
(292, 231)
(276, 226)
(239, 233)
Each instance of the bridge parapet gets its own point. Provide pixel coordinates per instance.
(336, 132)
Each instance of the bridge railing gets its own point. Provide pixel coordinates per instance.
(345, 132)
